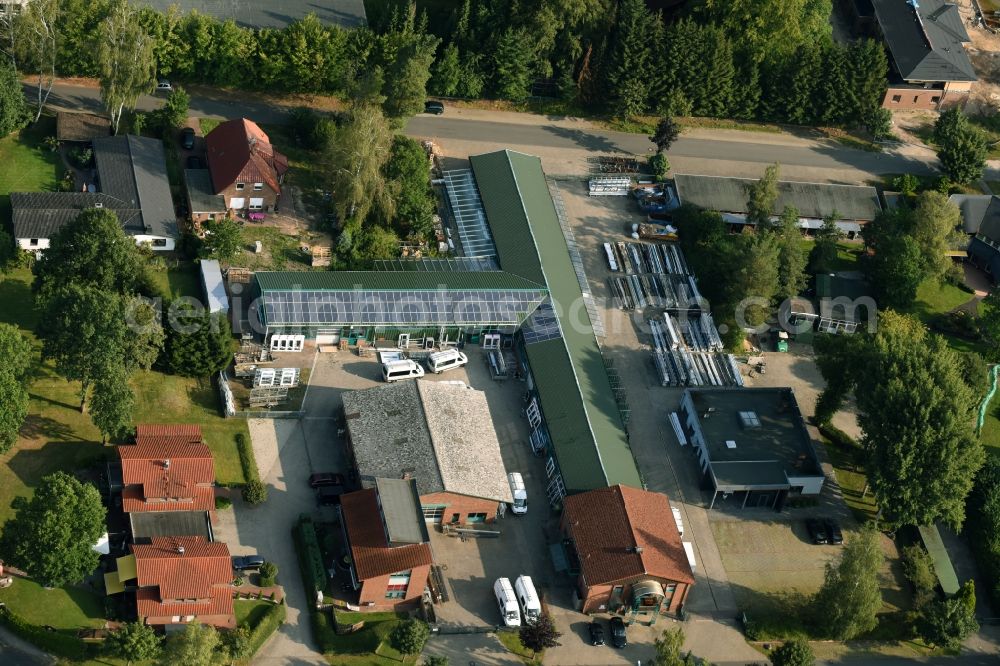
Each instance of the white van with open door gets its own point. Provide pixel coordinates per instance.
(448, 359)
(527, 599)
(519, 492)
(507, 602)
(393, 371)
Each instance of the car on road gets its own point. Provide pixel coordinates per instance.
(433, 106)
(833, 533)
(329, 495)
(194, 162)
(187, 138)
(817, 531)
(618, 637)
(164, 86)
(247, 562)
(596, 630)
(326, 479)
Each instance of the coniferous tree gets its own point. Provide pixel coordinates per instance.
(630, 58)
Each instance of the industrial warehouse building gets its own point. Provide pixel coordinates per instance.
(752, 442)
(516, 263)
(854, 205)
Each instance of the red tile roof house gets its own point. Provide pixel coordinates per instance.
(244, 172)
(388, 542)
(630, 553)
(168, 481)
(184, 579)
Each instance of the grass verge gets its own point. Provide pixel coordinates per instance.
(28, 166)
(512, 641)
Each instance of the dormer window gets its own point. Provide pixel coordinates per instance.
(258, 186)
(240, 186)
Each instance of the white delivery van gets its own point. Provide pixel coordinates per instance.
(507, 602)
(517, 489)
(448, 359)
(527, 599)
(393, 371)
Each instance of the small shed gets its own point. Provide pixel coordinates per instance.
(81, 127)
(216, 299)
(943, 569)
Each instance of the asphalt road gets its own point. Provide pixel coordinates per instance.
(819, 155)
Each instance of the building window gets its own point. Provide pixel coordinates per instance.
(240, 186)
(916, 98)
(175, 619)
(936, 98)
(258, 186)
(255, 206)
(433, 513)
(896, 99)
(477, 517)
(398, 582)
(159, 242)
(33, 242)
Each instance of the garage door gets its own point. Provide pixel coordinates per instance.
(237, 202)
(256, 203)
(327, 336)
(433, 513)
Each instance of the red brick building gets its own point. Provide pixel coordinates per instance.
(388, 542)
(182, 580)
(168, 482)
(629, 550)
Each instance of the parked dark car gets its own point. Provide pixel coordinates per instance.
(194, 162)
(596, 630)
(187, 138)
(618, 637)
(817, 532)
(329, 495)
(833, 533)
(433, 106)
(326, 479)
(247, 562)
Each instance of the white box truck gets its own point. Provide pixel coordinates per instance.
(510, 615)
(527, 599)
(517, 489)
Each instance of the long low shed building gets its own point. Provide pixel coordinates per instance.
(853, 205)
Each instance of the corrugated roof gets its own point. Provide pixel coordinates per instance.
(928, 47)
(134, 170)
(585, 425)
(214, 286)
(608, 524)
(814, 200)
(370, 551)
(190, 574)
(270, 14)
(391, 280)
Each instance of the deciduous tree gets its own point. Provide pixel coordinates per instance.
(669, 648)
(410, 636)
(948, 622)
(795, 652)
(37, 30)
(13, 110)
(126, 61)
(667, 131)
(850, 597)
(540, 634)
(195, 646)
(936, 224)
(408, 171)
(791, 255)
(52, 535)
(223, 239)
(15, 365)
(112, 403)
(962, 148)
(355, 162)
(989, 322)
(236, 643)
(133, 641)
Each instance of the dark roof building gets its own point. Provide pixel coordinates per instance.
(752, 441)
(629, 549)
(81, 127)
(855, 205)
(926, 42)
(981, 220)
(269, 14)
(132, 182)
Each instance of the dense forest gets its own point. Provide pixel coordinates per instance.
(748, 59)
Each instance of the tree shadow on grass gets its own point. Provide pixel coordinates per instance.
(31, 464)
(19, 304)
(204, 395)
(39, 427)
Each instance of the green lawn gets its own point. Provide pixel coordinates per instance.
(848, 254)
(280, 251)
(67, 609)
(250, 611)
(180, 278)
(208, 124)
(369, 646)
(512, 641)
(849, 469)
(27, 165)
(935, 298)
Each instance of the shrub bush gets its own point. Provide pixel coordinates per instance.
(247, 459)
(409, 637)
(268, 574)
(273, 618)
(323, 631)
(918, 567)
(57, 643)
(255, 492)
(223, 503)
(310, 557)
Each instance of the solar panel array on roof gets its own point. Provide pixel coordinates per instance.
(542, 325)
(411, 308)
(467, 207)
(439, 264)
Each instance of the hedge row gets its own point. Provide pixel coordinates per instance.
(323, 631)
(58, 644)
(310, 557)
(269, 623)
(247, 459)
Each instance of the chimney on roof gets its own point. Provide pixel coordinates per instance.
(180, 549)
(166, 464)
(634, 549)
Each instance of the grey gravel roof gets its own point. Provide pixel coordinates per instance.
(271, 14)
(439, 434)
(814, 200)
(201, 195)
(404, 521)
(928, 47)
(148, 524)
